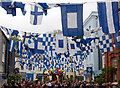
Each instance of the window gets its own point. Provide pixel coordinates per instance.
(114, 62)
(103, 61)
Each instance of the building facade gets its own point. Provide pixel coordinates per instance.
(95, 59)
(27, 72)
(112, 59)
(7, 59)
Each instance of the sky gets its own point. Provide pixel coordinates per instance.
(49, 23)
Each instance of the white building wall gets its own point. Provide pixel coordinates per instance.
(92, 22)
(35, 72)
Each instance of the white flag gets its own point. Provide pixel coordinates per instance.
(61, 44)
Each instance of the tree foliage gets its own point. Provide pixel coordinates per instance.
(107, 71)
(119, 82)
(13, 78)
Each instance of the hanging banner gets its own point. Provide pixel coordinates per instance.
(72, 19)
(108, 16)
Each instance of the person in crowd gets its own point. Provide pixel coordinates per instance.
(104, 85)
(92, 85)
(36, 84)
(49, 84)
(58, 84)
(5, 85)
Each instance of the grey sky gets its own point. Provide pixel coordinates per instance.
(49, 23)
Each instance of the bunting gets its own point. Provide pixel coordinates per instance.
(36, 15)
(106, 43)
(116, 37)
(12, 44)
(72, 19)
(61, 44)
(108, 16)
(10, 32)
(72, 47)
(11, 7)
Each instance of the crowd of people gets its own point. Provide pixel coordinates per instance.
(56, 84)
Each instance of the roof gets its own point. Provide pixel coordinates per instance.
(93, 13)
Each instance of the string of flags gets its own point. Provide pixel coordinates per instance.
(71, 15)
(46, 51)
(80, 47)
(73, 47)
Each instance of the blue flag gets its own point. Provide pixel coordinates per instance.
(12, 44)
(116, 37)
(61, 44)
(36, 15)
(37, 11)
(89, 69)
(72, 20)
(108, 16)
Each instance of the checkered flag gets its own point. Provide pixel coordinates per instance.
(106, 43)
(83, 56)
(44, 67)
(37, 56)
(84, 46)
(78, 43)
(87, 48)
(40, 67)
(47, 41)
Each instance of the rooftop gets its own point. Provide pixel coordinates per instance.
(93, 13)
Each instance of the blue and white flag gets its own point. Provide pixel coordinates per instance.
(6, 30)
(10, 32)
(72, 20)
(36, 46)
(72, 47)
(37, 56)
(11, 7)
(26, 36)
(84, 45)
(61, 44)
(116, 37)
(65, 67)
(67, 54)
(40, 67)
(106, 43)
(108, 16)
(88, 48)
(19, 48)
(36, 15)
(12, 44)
(89, 70)
(47, 41)
(83, 56)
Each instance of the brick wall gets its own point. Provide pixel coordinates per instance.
(108, 61)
